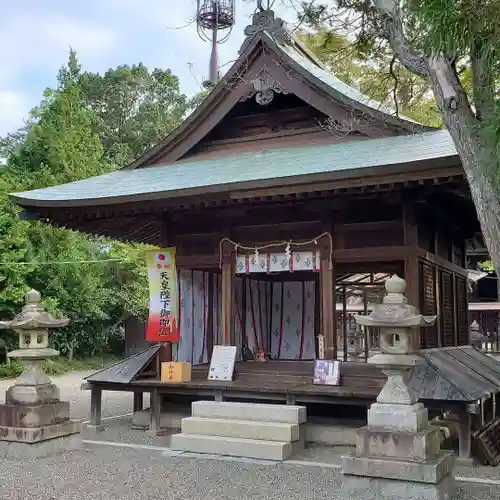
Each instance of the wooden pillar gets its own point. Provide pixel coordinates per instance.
(438, 244)
(327, 294)
(456, 340)
(227, 293)
(95, 407)
(412, 279)
(410, 229)
(210, 315)
(154, 412)
(464, 435)
(138, 401)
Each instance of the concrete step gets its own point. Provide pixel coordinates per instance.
(235, 447)
(246, 429)
(249, 411)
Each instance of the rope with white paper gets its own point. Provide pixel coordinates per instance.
(287, 244)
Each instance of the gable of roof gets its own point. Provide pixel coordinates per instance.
(267, 35)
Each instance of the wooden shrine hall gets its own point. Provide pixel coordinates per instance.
(290, 197)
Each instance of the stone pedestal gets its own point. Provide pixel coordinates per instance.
(398, 454)
(364, 488)
(33, 421)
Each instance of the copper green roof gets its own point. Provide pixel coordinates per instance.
(339, 89)
(267, 168)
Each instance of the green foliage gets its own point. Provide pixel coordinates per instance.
(133, 107)
(88, 125)
(380, 77)
(465, 32)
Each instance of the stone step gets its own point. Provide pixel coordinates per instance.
(289, 414)
(246, 429)
(235, 447)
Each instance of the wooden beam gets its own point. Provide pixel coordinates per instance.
(434, 259)
(310, 184)
(210, 261)
(371, 254)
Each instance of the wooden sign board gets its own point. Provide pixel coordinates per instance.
(222, 362)
(326, 372)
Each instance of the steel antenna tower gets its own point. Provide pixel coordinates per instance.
(215, 21)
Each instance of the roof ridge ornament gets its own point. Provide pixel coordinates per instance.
(264, 20)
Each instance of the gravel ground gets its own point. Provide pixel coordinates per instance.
(112, 473)
(121, 431)
(113, 403)
(108, 473)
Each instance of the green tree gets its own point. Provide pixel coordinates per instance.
(134, 108)
(60, 146)
(377, 75)
(453, 46)
(13, 250)
(88, 125)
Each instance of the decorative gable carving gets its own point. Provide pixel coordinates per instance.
(265, 20)
(264, 88)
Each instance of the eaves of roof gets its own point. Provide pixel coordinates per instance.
(251, 170)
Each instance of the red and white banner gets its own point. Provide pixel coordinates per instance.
(163, 323)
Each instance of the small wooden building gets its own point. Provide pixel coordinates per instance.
(289, 197)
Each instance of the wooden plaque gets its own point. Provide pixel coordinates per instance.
(222, 362)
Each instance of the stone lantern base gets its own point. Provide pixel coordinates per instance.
(363, 488)
(398, 450)
(36, 430)
(33, 421)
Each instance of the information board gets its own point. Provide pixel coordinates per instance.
(222, 363)
(326, 372)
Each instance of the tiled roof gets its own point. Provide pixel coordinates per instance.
(273, 166)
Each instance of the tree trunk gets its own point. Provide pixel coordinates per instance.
(477, 157)
(71, 350)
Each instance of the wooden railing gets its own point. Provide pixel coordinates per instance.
(486, 315)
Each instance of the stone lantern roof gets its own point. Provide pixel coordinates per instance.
(34, 316)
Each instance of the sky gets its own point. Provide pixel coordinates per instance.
(35, 37)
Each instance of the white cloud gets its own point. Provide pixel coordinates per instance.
(34, 43)
(30, 44)
(13, 106)
(27, 42)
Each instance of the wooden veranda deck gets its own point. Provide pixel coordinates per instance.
(457, 379)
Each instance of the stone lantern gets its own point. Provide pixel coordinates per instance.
(32, 414)
(476, 338)
(354, 338)
(398, 443)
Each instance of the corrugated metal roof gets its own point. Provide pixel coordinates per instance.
(455, 374)
(127, 369)
(343, 161)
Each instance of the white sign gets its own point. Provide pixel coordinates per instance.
(321, 347)
(222, 362)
